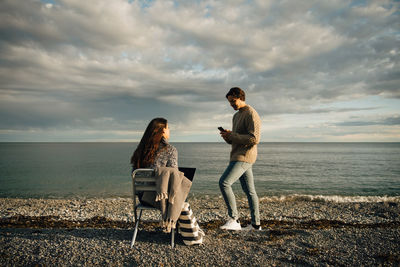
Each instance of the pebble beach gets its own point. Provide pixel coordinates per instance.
(295, 232)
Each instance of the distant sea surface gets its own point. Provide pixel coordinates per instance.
(102, 170)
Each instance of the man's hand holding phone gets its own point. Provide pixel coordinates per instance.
(224, 133)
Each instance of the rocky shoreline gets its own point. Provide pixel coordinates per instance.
(98, 232)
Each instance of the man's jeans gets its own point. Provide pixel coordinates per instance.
(244, 172)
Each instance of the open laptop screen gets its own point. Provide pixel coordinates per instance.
(189, 172)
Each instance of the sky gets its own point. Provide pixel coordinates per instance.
(99, 71)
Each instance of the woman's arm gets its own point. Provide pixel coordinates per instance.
(172, 157)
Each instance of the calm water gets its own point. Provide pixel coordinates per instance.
(60, 170)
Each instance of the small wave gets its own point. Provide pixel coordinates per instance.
(333, 198)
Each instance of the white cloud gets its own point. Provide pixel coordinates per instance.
(129, 61)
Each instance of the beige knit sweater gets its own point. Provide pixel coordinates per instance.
(245, 135)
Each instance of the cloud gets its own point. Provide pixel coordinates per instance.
(70, 64)
(389, 121)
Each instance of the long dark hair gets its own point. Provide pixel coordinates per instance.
(146, 151)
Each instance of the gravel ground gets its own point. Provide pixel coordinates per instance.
(98, 232)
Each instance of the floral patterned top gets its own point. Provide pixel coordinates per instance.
(167, 156)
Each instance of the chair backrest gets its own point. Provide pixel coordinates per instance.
(143, 180)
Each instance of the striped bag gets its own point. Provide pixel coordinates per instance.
(188, 227)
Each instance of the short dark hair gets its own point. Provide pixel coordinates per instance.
(237, 93)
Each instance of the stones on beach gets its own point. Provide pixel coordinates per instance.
(98, 232)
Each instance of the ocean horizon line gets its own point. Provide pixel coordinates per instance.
(201, 142)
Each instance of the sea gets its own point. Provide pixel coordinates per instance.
(314, 171)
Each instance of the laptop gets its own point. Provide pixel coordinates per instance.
(189, 172)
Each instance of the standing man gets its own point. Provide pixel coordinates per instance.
(244, 137)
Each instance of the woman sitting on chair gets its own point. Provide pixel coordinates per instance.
(154, 151)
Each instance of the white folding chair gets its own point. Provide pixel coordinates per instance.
(143, 180)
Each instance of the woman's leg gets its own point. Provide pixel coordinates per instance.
(188, 227)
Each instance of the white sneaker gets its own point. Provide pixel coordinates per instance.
(251, 228)
(231, 224)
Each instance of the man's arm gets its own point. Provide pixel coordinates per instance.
(253, 132)
(225, 135)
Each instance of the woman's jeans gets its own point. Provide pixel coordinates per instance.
(244, 172)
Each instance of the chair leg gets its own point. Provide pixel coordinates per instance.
(173, 237)
(136, 229)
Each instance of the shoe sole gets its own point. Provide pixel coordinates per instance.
(231, 229)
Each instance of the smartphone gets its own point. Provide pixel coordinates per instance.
(221, 129)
